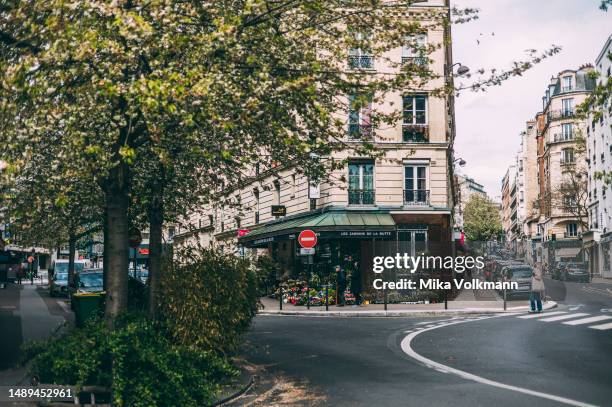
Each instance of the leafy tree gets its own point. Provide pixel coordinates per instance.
(481, 219)
(168, 104)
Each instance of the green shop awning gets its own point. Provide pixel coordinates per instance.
(333, 224)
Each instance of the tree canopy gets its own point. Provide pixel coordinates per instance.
(481, 219)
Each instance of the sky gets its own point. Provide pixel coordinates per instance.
(489, 124)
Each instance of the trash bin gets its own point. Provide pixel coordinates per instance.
(87, 305)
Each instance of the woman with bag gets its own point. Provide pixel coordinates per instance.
(537, 288)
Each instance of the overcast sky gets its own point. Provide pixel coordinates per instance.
(489, 124)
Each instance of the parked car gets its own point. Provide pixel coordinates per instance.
(557, 270)
(90, 280)
(499, 266)
(575, 272)
(58, 276)
(521, 274)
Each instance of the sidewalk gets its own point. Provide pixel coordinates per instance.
(456, 307)
(601, 280)
(24, 316)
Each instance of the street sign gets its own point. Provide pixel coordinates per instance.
(314, 190)
(243, 232)
(307, 239)
(279, 210)
(307, 252)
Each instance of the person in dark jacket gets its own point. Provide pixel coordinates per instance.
(340, 285)
(356, 282)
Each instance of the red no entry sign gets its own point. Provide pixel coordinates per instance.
(307, 239)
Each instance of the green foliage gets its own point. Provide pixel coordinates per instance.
(209, 298)
(481, 219)
(137, 358)
(268, 274)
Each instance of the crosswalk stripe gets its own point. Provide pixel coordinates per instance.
(562, 317)
(602, 327)
(588, 320)
(541, 314)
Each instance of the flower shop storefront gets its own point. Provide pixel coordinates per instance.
(348, 240)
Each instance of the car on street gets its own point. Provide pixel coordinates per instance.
(521, 274)
(58, 276)
(557, 269)
(575, 272)
(90, 280)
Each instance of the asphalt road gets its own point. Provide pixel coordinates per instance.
(512, 360)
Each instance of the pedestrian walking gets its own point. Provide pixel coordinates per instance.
(537, 289)
(18, 274)
(356, 283)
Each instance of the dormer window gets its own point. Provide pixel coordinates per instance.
(568, 84)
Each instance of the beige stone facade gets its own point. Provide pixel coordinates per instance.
(409, 183)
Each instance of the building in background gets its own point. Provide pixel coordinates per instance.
(403, 199)
(544, 193)
(509, 201)
(466, 187)
(598, 239)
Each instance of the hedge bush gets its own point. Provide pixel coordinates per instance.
(209, 298)
(137, 359)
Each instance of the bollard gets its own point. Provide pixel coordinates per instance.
(280, 296)
(504, 299)
(326, 297)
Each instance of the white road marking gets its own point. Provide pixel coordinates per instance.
(602, 327)
(407, 349)
(542, 314)
(588, 320)
(562, 317)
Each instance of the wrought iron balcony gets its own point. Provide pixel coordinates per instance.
(418, 61)
(361, 197)
(358, 131)
(568, 162)
(567, 88)
(416, 197)
(415, 133)
(360, 61)
(560, 114)
(563, 137)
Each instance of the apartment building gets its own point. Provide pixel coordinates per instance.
(402, 199)
(563, 200)
(509, 206)
(466, 187)
(598, 239)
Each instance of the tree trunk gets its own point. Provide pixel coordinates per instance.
(156, 221)
(71, 253)
(116, 256)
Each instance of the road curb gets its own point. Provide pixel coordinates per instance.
(236, 394)
(403, 313)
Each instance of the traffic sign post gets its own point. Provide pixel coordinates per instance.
(308, 240)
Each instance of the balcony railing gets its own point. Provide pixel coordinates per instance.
(560, 114)
(569, 235)
(358, 131)
(360, 61)
(567, 88)
(415, 133)
(418, 61)
(361, 197)
(416, 197)
(563, 137)
(568, 162)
